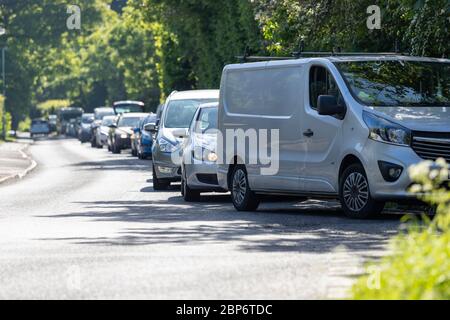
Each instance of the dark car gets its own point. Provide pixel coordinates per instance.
(120, 132)
(142, 140)
(52, 122)
(67, 118)
(84, 131)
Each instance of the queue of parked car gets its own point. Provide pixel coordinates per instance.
(340, 127)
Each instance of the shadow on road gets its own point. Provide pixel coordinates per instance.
(124, 163)
(313, 226)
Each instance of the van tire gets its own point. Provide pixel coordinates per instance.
(354, 194)
(158, 184)
(244, 199)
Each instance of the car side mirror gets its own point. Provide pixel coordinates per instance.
(327, 105)
(180, 133)
(153, 128)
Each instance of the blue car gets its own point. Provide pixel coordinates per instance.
(142, 141)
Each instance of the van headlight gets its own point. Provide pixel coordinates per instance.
(386, 131)
(167, 146)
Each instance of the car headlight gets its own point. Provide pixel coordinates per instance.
(167, 146)
(386, 131)
(124, 136)
(203, 154)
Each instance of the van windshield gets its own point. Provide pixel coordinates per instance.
(398, 83)
(180, 112)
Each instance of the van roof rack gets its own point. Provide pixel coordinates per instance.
(303, 54)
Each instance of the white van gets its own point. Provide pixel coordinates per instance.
(348, 127)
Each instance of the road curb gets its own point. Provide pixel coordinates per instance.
(23, 173)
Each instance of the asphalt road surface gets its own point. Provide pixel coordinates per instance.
(87, 225)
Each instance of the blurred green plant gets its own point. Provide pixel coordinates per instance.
(51, 106)
(418, 267)
(8, 116)
(24, 125)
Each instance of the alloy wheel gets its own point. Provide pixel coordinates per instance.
(239, 186)
(356, 191)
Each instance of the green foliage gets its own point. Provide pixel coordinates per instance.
(420, 27)
(24, 125)
(419, 266)
(144, 49)
(50, 106)
(8, 116)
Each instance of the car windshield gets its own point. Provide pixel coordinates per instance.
(107, 122)
(87, 119)
(128, 108)
(180, 112)
(398, 83)
(129, 122)
(38, 122)
(101, 115)
(207, 122)
(149, 119)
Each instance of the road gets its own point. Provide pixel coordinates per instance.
(87, 225)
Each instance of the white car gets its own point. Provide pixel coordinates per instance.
(102, 132)
(349, 127)
(199, 163)
(39, 127)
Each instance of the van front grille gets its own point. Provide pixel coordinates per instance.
(431, 146)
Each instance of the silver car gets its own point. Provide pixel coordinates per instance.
(199, 163)
(176, 118)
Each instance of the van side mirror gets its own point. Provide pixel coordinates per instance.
(328, 106)
(180, 133)
(153, 128)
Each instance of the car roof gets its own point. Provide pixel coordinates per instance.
(195, 94)
(103, 109)
(128, 102)
(209, 105)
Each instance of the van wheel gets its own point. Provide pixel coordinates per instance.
(355, 195)
(188, 194)
(158, 184)
(244, 199)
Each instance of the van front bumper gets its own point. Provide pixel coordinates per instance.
(372, 153)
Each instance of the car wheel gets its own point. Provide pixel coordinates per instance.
(159, 184)
(244, 199)
(354, 193)
(116, 148)
(189, 195)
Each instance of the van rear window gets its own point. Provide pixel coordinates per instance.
(266, 92)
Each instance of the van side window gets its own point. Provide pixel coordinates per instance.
(321, 82)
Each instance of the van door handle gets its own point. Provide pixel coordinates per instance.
(308, 133)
